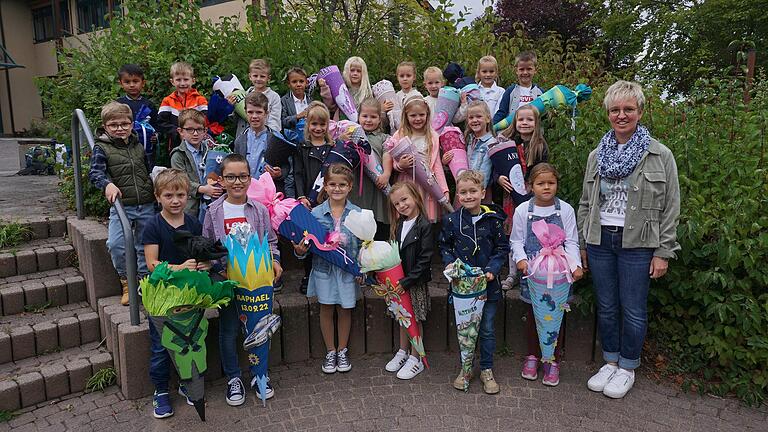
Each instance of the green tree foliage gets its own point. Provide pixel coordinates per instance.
(710, 314)
(680, 41)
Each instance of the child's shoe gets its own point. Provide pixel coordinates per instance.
(162, 405)
(183, 393)
(530, 368)
(489, 384)
(235, 392)
(621, 382)
(397, 361)
(124, 299)
(458, 383)
(551, 374)
(599, 380)
(411, 368)
(270, 392)
(329, 364)
(342, 361)
(509, 283)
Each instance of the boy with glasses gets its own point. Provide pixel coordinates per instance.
(119, 167)
(232, 207)
(189, 157)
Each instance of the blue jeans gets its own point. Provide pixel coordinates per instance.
(138, 216)
(621, 280)
(159, 361)
(229, 327)
(487, 337)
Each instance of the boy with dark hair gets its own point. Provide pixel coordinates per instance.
(131, 78)
(522, 93)
(235, 207)
(119, 167)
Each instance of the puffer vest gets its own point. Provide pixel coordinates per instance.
(126, 169)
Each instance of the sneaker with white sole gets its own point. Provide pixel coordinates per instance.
(329, 363)
(183, 393)
(412, 367)
(235, 392)
(161, 404)
(621, 382)
(397, 361)
(342, 361)
(602, 377)
(269, 393)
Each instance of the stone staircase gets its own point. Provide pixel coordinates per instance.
(50, 337)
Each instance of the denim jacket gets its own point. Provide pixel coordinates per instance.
(653, 203)
(477, 150)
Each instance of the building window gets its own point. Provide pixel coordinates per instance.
(45, 27)
(95, 14)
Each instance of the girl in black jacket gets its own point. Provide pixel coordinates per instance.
(413, 233)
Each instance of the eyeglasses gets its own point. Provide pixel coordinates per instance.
(336, 186)
(627, 111)
(193, 131)
(119, 126)
(232, 178)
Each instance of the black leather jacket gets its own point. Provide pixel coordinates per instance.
(416, 252)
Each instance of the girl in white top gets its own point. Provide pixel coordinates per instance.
(486, 76)
(406, 75)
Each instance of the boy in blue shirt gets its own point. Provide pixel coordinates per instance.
(474, 233)
(171, 191)
(131, 78)
(522, 93)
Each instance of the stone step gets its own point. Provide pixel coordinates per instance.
(45, 226)
(51, 376)
(29, 334)
(41, 290)
(35, 256)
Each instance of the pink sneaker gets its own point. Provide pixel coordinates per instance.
(530, 368)
(551, 374)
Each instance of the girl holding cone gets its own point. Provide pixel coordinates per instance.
(542, 326)
(413, 233)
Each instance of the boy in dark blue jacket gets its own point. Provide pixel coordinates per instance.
(474, 233)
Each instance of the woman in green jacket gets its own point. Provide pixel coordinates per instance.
(628, 215)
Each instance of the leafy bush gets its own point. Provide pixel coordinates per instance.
(710, 314)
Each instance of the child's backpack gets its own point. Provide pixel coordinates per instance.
(40, 160)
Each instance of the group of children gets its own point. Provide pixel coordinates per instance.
(479, 232)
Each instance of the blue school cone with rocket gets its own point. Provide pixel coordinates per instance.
(250, 266)
(557, 97)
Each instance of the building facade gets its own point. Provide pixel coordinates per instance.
(31, 30)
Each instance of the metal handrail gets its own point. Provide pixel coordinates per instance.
(80, 124)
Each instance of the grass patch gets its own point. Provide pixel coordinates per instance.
(13, 234)
(37, 308)
(6, 415)
(504, 351)
(101, 380)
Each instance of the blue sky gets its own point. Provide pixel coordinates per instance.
(476, 7)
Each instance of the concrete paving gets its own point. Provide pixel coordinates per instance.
(24, 197)
(370, 399)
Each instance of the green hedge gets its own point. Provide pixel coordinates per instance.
(709, 315)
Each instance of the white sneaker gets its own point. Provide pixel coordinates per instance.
(602, 377)
(620, 384)
(411, 368)
(397, 361)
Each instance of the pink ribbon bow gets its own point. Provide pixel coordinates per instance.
(263, 190)
(552, 258)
